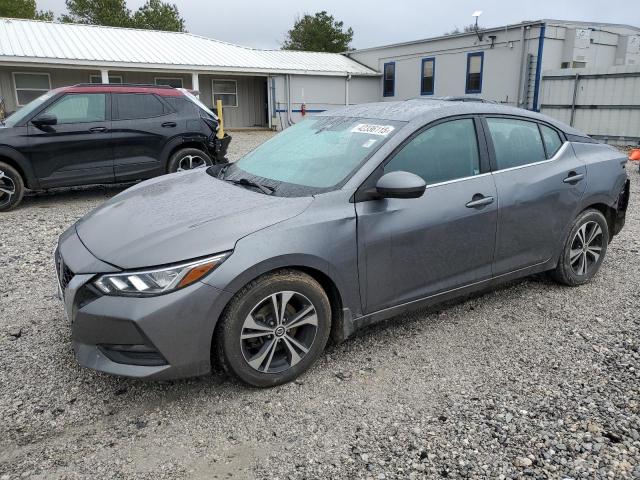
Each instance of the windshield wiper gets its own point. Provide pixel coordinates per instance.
(267, 190)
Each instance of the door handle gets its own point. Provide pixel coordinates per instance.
(169, 124)
(98, 129)
(573, 177)
(479, 200)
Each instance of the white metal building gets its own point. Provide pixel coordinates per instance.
(504, 64)
(257, 87)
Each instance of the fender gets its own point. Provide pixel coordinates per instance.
(30, 179)
(343, 325)
(294, 260)
(175, 142)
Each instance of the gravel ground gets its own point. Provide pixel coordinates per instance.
(530, 379)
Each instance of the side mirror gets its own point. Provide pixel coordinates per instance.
(400, 185)
(45, 120)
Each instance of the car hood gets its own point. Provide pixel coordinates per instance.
(179, 217)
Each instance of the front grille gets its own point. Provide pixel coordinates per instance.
(64, 273)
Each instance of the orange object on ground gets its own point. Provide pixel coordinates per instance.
(634, 155)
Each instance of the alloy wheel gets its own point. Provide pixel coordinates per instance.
(278, 332)
(7, 189)
(586, 248)
(189, 162)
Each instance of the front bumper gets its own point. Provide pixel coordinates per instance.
(163, 337)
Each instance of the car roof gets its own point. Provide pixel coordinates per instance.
(161, 90)
(428, 110)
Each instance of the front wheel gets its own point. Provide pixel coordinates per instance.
(188, 159)
(11, 187)
(274, 329)
(584, 250)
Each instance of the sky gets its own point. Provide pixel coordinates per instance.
(262, 24)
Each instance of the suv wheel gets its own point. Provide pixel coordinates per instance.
(274, 329)
(188, 159)
(11, 187)
(584, 249)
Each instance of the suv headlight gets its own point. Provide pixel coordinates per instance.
(160, 280)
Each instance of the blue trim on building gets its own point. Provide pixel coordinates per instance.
(433, 85)
(294, 110)
(536, 87)
(466, 84)
(384, 72)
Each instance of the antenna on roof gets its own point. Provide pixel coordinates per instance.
(476, 14)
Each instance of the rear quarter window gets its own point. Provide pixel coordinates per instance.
(552, 140)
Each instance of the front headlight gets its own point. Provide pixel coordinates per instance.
(160, 280)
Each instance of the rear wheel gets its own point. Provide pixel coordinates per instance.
(274, 329)
(188, 159)
(11, 187)
(584, 250)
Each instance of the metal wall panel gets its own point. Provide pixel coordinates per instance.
(602, 102)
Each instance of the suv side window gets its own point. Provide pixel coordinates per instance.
(79, 108)
(128, 106)
(446, 151)
(552, 140)
(515, 142)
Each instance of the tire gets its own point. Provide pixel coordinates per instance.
(251, 359)
(11, 187)
(572, 269)
(188, 159)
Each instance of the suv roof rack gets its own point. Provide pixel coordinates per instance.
(145, 85)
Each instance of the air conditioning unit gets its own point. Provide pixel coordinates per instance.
(576, 46)
(628, 50)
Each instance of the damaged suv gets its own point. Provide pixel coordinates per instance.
(104, 133)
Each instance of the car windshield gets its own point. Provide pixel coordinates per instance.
(23, 112)
(316, 154)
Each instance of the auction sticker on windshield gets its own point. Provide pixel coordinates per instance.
(382, 130)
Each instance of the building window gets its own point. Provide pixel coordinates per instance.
(428, 75)
(389, 79)
(474, 72)
(225, 90)
(30, 86)
(169, 82)
(98, 78)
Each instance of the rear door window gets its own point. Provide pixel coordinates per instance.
(446, 151)
(128, 106)
(515, 142)
(552, 140)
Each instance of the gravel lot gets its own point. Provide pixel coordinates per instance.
(530, 379)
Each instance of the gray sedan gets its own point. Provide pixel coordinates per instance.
(347, 218)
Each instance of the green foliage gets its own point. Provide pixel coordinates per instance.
(318, 33)
(157, 15)
(23, 9)
(112, 13)
(154, 14)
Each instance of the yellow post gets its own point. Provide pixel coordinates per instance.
(220, 119)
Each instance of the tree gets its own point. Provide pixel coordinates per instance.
(154, 14)
(466, 29)
(112, 13)
(23, 9)
(157, 15)
(318, 33)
